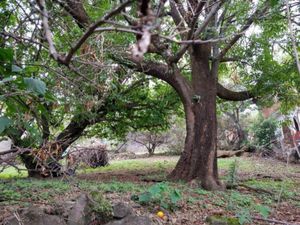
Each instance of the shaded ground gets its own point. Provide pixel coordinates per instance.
(265, 187)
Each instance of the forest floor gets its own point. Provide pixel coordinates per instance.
(265, 191)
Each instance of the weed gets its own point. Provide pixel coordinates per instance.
(243, 205)
(201, 191)
(162, 194)
(232, 174)
(101, 206)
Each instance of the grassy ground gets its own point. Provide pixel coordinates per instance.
(266, 189)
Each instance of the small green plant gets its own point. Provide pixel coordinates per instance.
(243, 205)
(162, 194)
(264, 211)
(244, 216)
(101, 206)
(232, 174)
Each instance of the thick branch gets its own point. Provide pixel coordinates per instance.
(161, 71)
(200, 29)
(178, 20)
(181, 10)
(92, 28)
(76, 10)
(47, 31)
(227, 94)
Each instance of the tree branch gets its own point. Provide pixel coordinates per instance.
(92, 28)
(76, 10)
(200, 29)
(227, 94)
(178, 20)
(161, 71)
(47, 31)
(259, 11)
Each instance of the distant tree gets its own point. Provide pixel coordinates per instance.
(150, 140)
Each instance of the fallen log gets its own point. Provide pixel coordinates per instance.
(227, 154)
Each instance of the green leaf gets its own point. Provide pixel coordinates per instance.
(4, 123)
(145, 197)
(6, 55)
(156, 189)
(244, 216)
(35, 85)
(175, 196)
(264, 211)
(274, 2)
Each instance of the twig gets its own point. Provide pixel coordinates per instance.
(92, 28)
(47, 31)
(272, 220)
(16, 214)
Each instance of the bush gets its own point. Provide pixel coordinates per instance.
(264, 132)
(92, 157)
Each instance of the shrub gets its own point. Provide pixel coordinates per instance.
(92, 157)
(264, 132)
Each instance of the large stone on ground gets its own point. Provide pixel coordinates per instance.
(34, 216)
(80, 214)
(121, 210)
(132, 220)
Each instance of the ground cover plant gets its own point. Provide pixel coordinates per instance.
(265, 190)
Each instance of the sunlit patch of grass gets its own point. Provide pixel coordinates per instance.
(14, 191)
(11, 172)
(113, 186)
(135, 165)
(282, 189)
(244, 164)
(270, 184)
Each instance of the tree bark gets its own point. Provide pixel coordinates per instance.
(31, 165)
(198, 160)
(69, 135)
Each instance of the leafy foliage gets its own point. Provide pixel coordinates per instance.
(23, 100)
(264, 131)
(101, 206)
(4, 123)
(232, 174)
(162, 194)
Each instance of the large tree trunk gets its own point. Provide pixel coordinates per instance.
(198, 160)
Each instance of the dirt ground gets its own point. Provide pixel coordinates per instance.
(283, 210)
(260, 182)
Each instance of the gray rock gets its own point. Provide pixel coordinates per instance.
(80, 214)
(121, 210)
(132, 220)
(35, 216)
